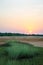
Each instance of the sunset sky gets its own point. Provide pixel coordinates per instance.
(21, 16)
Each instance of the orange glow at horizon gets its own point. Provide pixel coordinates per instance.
(24, 25)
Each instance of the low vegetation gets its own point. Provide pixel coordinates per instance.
(20, 53)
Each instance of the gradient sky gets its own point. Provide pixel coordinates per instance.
(23, 16)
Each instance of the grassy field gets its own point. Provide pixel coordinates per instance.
(19, 52)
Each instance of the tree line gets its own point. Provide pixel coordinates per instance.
(19, 34)
(12, 34)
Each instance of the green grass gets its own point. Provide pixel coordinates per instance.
(19, 53)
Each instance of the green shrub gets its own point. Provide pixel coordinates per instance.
(18, 53)
(18, 50)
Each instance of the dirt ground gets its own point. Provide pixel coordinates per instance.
(35, 40)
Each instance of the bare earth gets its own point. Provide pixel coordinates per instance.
(35, 40)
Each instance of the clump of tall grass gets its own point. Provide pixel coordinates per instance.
(18, 53)
(19, 50)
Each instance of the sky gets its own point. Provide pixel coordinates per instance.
(21, 16)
